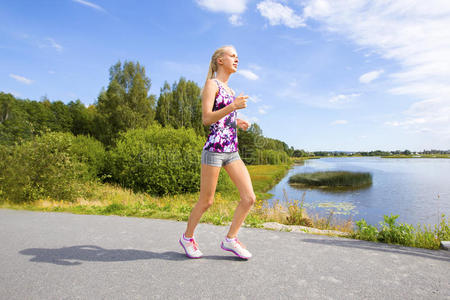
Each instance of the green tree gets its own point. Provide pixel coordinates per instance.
(62, 118)
(82, 118)
(15, 122)
(163, 106)
(181, 106)
(126, 103)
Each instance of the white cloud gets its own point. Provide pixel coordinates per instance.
(255, 67)
(233, 7)
(263, 109)
(410, 32)
(342, 98)
(235, 20)
(295, 40)
(370, 76)
(21, 79)
(254, 98)
(41, 42)
(291, 92)
(90, 4)
(339, 122)
(226, 6)
(54, 44)
(408, 122)
(279, 14)
(248, 74)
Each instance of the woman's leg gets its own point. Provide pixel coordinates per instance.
(208, 183)
(241, 178)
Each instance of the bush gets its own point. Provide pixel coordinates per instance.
(91, 152)
(269, 157)
(392, 233)
(366, 232)
(404, 234)
(160, 161)
(43, 167)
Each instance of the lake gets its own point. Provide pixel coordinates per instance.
(418, 190)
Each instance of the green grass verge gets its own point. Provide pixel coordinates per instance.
(404, 234)
(106, 199)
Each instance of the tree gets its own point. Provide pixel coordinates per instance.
(82, 118)
(14, 123)
(126, 103)
(163, 106)
(62, 118)
(181, 106)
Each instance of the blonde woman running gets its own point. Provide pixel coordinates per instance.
(219, 110)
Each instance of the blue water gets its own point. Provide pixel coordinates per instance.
(418, 190)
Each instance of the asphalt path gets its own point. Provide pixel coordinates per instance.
(67, 256)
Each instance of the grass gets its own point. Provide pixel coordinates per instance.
(404, 234)
(332, 179)
(293, 212)
(107, 199)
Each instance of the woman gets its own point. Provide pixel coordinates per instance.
(219, 110)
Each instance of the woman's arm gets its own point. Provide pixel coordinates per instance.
(208, 96)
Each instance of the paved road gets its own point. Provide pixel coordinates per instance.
(67, 256)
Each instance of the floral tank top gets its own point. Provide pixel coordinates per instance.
(223, 133)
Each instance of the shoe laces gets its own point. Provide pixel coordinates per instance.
(239, 242)
(194, 244)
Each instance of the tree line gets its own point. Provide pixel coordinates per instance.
(126, 104)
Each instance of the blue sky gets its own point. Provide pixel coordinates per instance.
(350, 75)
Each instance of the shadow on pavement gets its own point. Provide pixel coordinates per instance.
(397, 249)
(71, 256)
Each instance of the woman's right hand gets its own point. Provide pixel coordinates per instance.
(240, 102)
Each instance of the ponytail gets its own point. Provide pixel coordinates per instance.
(212, 70)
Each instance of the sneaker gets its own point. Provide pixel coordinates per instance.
(236, 247)
(190, 247)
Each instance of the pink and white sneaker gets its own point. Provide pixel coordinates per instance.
(236, 247)
(190, 247)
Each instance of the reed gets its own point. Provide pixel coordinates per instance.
(332, 179)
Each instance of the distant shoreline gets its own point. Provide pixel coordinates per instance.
(300, 159)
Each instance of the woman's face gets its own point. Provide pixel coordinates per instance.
(229, 61)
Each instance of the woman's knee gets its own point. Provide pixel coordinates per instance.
(206, 202)
(248, 200)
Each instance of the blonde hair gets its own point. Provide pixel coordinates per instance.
(213, 64)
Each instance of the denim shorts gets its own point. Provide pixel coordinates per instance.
(219, 159)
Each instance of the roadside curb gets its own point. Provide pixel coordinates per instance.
(299, 228)
(445, 245)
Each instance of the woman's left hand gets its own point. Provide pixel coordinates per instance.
(244, 125)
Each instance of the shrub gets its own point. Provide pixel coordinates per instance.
(443, 229)
(91, 152)
(392, 233)
(267, 157)
(160, 161)
(366, 232)
(404, 234)
(43, 167)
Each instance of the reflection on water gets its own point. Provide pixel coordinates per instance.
(416, 189)
(333, 190)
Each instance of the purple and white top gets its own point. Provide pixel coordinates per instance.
(223, 133)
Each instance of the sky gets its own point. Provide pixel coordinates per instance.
(347, 75)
